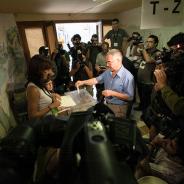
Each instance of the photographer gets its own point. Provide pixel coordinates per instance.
(62, 79)
(166, 110)
(174, 101)
(44, 51)
(145, 81)
(82, 70)
(78, 47)
(171, 98)
(132, 52)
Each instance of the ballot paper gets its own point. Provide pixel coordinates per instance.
(67, 101)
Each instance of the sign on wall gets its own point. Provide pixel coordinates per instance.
(161, 13)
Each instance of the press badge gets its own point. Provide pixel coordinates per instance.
(115, 44)
(79, 52)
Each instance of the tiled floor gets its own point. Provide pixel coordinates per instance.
(140, 124)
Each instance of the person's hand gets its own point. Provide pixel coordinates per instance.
(161, 79)
(83, 57)
(56, 102)
(79, 83)
(107, 93)
(158, 140)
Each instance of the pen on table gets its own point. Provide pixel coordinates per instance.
(64, 110)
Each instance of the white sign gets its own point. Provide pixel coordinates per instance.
(161, 13)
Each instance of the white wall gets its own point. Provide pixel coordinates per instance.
(131, 21)
(131, 18)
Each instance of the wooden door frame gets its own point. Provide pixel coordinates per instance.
(31, 24)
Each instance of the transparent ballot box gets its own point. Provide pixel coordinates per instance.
(78, 100)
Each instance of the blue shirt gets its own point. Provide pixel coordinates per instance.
(123, 82)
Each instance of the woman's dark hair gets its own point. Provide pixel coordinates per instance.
(37, 65)
(155, 38)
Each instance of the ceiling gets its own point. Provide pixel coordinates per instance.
(67, 6)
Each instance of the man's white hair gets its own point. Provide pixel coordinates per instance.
(117, 53)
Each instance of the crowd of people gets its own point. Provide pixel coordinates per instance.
(117, 70)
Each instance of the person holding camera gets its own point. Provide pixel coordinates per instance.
(118, 83)
(61, 59)
(145, 81)
(132, 52)
(44, 51)
(78, 47)
(82, 70)
(174, 100)
(166, 109)
(170, 97)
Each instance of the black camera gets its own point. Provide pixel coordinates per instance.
(174, 69)
(82, 134)
(164, 56)
(136, 38)
(43, 50)
(170, 55)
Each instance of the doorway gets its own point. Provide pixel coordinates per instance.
(49, 33)
(65, 31)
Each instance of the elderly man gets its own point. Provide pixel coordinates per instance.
(118, 83)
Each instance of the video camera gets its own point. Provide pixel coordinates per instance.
(136, 38)
(168, 55)
(173, 64)
(43, 50)
(107, 148)
(164, 56)
(159, 114)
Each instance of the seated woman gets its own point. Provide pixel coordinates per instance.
(40, 99)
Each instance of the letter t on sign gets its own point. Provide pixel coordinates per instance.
(154, 6)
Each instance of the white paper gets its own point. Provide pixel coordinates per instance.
(67, 101)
